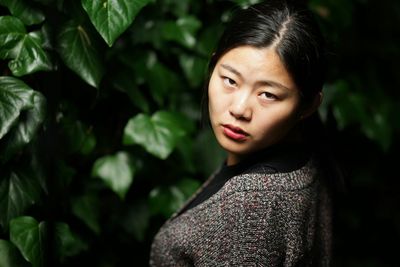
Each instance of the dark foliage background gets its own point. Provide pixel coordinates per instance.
(100, 125)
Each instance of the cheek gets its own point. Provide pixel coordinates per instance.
(276, 124)
(215, 99)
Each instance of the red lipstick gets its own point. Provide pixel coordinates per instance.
(234, 132)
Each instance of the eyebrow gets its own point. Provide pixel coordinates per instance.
(227, 67)
(263, 82)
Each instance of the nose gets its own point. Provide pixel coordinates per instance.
(241, 107)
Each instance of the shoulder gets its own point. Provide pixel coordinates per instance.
(262, 178)
(287, 198)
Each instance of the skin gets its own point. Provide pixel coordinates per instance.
(251, 89)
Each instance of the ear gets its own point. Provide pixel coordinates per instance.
(313, 107)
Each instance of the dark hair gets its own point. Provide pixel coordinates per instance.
(291, 29)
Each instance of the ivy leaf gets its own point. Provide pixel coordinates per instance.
(125, 82)
(379, 129)
(10, 256)
(208, 38)
(194, 69)
(21, 9)
(112, 18)
(79, 137)
(188, 186)
(206, 145)
(166, 200)
(148, 69)
(78, 51)
(24, 49)
(157, 134)
(178, 8)
(161, 80)
(246, 3)
(14, 97)
(68, 244)
(18, 191)
(86, 208)
(182, 31)
(116, 171)
(22, 111)
(185, 147)
(30, 238)
(136, 220)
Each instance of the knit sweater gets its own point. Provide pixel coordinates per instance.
(258, 218)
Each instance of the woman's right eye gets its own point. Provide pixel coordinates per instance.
(228, 81)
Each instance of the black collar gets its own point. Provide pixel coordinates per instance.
(280, 158)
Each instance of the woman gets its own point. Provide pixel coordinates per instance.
(268, 205)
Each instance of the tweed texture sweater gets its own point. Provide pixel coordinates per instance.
(258, 218)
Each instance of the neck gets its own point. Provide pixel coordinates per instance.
(232, 159)
(293, 138)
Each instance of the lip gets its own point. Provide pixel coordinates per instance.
(235, 133)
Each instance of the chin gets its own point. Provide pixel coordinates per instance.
(235, 147)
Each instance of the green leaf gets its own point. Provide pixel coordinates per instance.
(194, 68)
(10, 256)
(18, 191)
(116, 171)
(38, 166)
(182, 31)
(25, 49)
(86, 208)
(136, 221)
(355, 108)
(24, 11)
(167, 200)
(188, 186)
(246, 3)
(338, 12)
(69, 244)
(208, 38)
(206, 145)
(160, 79)
(78, 51)
(379, 129)
(157, 134)
(125, 82)
(79, 137)
(148, 31)
(21, 113)
(65, 173)
(185, 148)
(112, 18)
(179, 8)
(348, 106)
(47, 36)
(30, 238)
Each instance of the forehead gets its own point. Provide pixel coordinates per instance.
(257, 64)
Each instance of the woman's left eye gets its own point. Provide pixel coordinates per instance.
(229, 81)
(269, 96)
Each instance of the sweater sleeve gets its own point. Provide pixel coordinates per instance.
(273, 228)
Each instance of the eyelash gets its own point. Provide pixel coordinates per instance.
(228, 81)
(269, 96)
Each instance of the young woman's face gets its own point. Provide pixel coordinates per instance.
(253, 101)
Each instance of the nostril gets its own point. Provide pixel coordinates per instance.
(241, 115)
